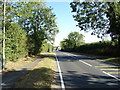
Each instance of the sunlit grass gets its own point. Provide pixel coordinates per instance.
(14, 65)
(41, 76)
(114, 60)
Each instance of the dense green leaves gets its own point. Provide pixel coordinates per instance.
(16, 42)
(29, 27)
(104, 48)
(37, 20)
(91, 16)
(101, 17)
(74, 39)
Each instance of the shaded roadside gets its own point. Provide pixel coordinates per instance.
(41, 73)
(105, 59)
(10, 78)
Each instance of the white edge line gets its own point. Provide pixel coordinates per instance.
(111, 75)
(59, 70)
(86, 63)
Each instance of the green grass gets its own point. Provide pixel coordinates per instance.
(41, 76)
(106, 58)
(114, 60)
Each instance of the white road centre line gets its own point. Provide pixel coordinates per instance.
(111, 75)
(102, 71)
(59, 70)
(86, 63)
(82, 61)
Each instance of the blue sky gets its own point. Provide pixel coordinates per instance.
(66, 23)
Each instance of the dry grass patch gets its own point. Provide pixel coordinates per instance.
(42, 75)
(14, 65)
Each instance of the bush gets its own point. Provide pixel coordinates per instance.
(46, 47)
(105, 48)
(16, 42)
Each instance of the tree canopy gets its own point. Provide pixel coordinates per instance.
(73, 40)
(36, 19)
(101, 17)
(30, 27)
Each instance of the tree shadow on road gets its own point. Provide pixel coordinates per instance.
(85, 80)
(69, 58)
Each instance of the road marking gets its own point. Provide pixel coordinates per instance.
(111, 75)
(59, 70)
(107, 66)
(102, 71)
(111, 69)
(114, 72)
(86, 63)
(83, 62)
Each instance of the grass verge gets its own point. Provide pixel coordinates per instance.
(42, 75)
(14, 65)
(106, 58)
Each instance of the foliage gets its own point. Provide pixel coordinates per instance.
(74, 39)
(104, 48)
(101, 17)
(46, 47)
(37, 20)
(16, 42)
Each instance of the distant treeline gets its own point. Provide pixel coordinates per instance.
(104, 48)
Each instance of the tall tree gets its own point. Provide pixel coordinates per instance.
(37, 20)
(101, 17)
(64, 44)
(73, 40)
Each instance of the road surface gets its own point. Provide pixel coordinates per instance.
(80, 71)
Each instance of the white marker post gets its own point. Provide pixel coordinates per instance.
(3, 43)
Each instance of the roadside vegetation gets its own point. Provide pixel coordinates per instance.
(101, 18)
(16, 65)
(42, 75)
(105, 50)
(30, 29)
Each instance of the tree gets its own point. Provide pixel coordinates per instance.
(16, 42)
(101, 17)
(64, 44)
(73, 40)
(37, 20)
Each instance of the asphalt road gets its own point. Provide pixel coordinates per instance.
(80, 71)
